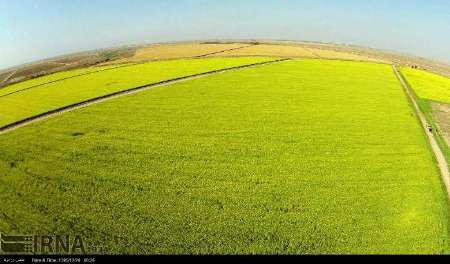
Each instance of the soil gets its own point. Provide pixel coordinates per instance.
(441, 113)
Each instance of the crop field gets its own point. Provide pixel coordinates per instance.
(188, 50)
(428, 85)
(175, 51)
(301, 156)
(81, 60)
(292, 51)
(13, 88)
(29, 102)
(433, 92)
(331, 54)
(271, 50)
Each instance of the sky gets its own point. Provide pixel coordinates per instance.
(38, 29)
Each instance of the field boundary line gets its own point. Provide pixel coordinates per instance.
(439, 155)
(99, 99)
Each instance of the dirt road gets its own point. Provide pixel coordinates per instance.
(440, 158)
(56, 112)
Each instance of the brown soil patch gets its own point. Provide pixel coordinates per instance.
(441, 113)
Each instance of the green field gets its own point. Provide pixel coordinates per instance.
(30, 102)
(52, 78)
(303, 156)
(428, 85)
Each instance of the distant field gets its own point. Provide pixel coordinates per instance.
(304, 156)
(331, 54)
(63, 63)
(51, 96)
(279, 50)
(173, 51)
(38, 68)
(41, 67)
(293, 51)
(193, 49)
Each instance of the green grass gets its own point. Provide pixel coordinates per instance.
(428, 85)
(18, 106)
(305, 156)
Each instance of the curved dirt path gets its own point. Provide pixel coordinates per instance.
(440, 158)
(96, 100)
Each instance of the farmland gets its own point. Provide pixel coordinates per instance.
(28, 102)
(292, 51)
(302, 156)
(188, 50)
(61, 64)
(176, 51)
(162, 51)
(433, 92)
(13, 88)
(428, 85)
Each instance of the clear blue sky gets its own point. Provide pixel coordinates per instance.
(36, 29)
